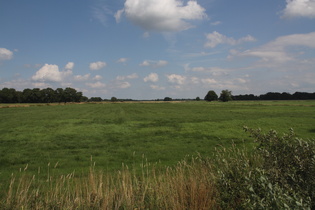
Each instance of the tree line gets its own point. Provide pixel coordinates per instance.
(226, 95)
(277, 96)
(36, 95)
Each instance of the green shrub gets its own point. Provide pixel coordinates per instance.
(288, 162)
(277, 174)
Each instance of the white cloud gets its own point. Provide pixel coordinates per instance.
(177, 79)
(100, 13)
(123, 85)
(50, 73)
(215, 38)
(216, 23)
(97, 65)
(299, 8)
(131, 76)
(162, 15)
(40, 84)
(215, 71)
(5, 54)
(209, 81)
(153, 77)
(69, 66)
(122, 60)
(97, 77)
(96, 85)
(82, 77)
(161, 63)
(118, 15)
(156, 87)
(277, 50)
(154, 64)
(145, 63)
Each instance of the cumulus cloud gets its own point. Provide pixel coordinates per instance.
(97, 65)
(154, 64)
(209, 81)
(162, 15)
(82, 77)
(40, 84)
(276, 51)
(215, 71)
(5, 54)
(123, 85)
(118, 15)
(299, 8)
(69, 66)
(96, 85)
(215, 38)
(131, 76)
(97, 77)
(177, 79)
(122, 60)
(156, 87)
(50, 73)
(153, 77)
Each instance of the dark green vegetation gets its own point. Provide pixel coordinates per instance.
(113, 133)
(211, 96)
(36, 95)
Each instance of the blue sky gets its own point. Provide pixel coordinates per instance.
(149, 49)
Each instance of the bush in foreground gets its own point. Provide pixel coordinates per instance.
(276, 174)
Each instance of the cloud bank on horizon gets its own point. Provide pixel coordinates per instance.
(152, 49)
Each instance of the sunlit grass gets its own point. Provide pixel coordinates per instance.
(112, 132)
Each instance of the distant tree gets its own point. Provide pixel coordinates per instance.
(95, 99)
(211, 96)
(84, 99)
(226, 95)
(198, 98)
(48, 95)
(113, 99)
(8, 95)
(60, 96)
(168, 99)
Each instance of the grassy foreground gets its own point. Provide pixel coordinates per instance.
(277, 174)
(53, 141)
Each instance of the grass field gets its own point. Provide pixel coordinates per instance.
(48, 151)
(67, 136)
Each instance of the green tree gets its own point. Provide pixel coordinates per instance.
(168, 99)
(211, 96)
(60, 96)
(113, 99)
(226, 95)
(48, 95)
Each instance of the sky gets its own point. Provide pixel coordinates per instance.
(150, 49)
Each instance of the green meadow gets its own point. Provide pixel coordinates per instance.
(66, 137)
(157, 155)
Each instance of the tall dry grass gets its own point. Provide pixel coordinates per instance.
(188, 185)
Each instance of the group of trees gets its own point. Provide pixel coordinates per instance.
(49, 95)
(226, 95)
(36, 95)
(276, 96)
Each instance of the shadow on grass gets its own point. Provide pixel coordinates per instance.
(312, 130)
